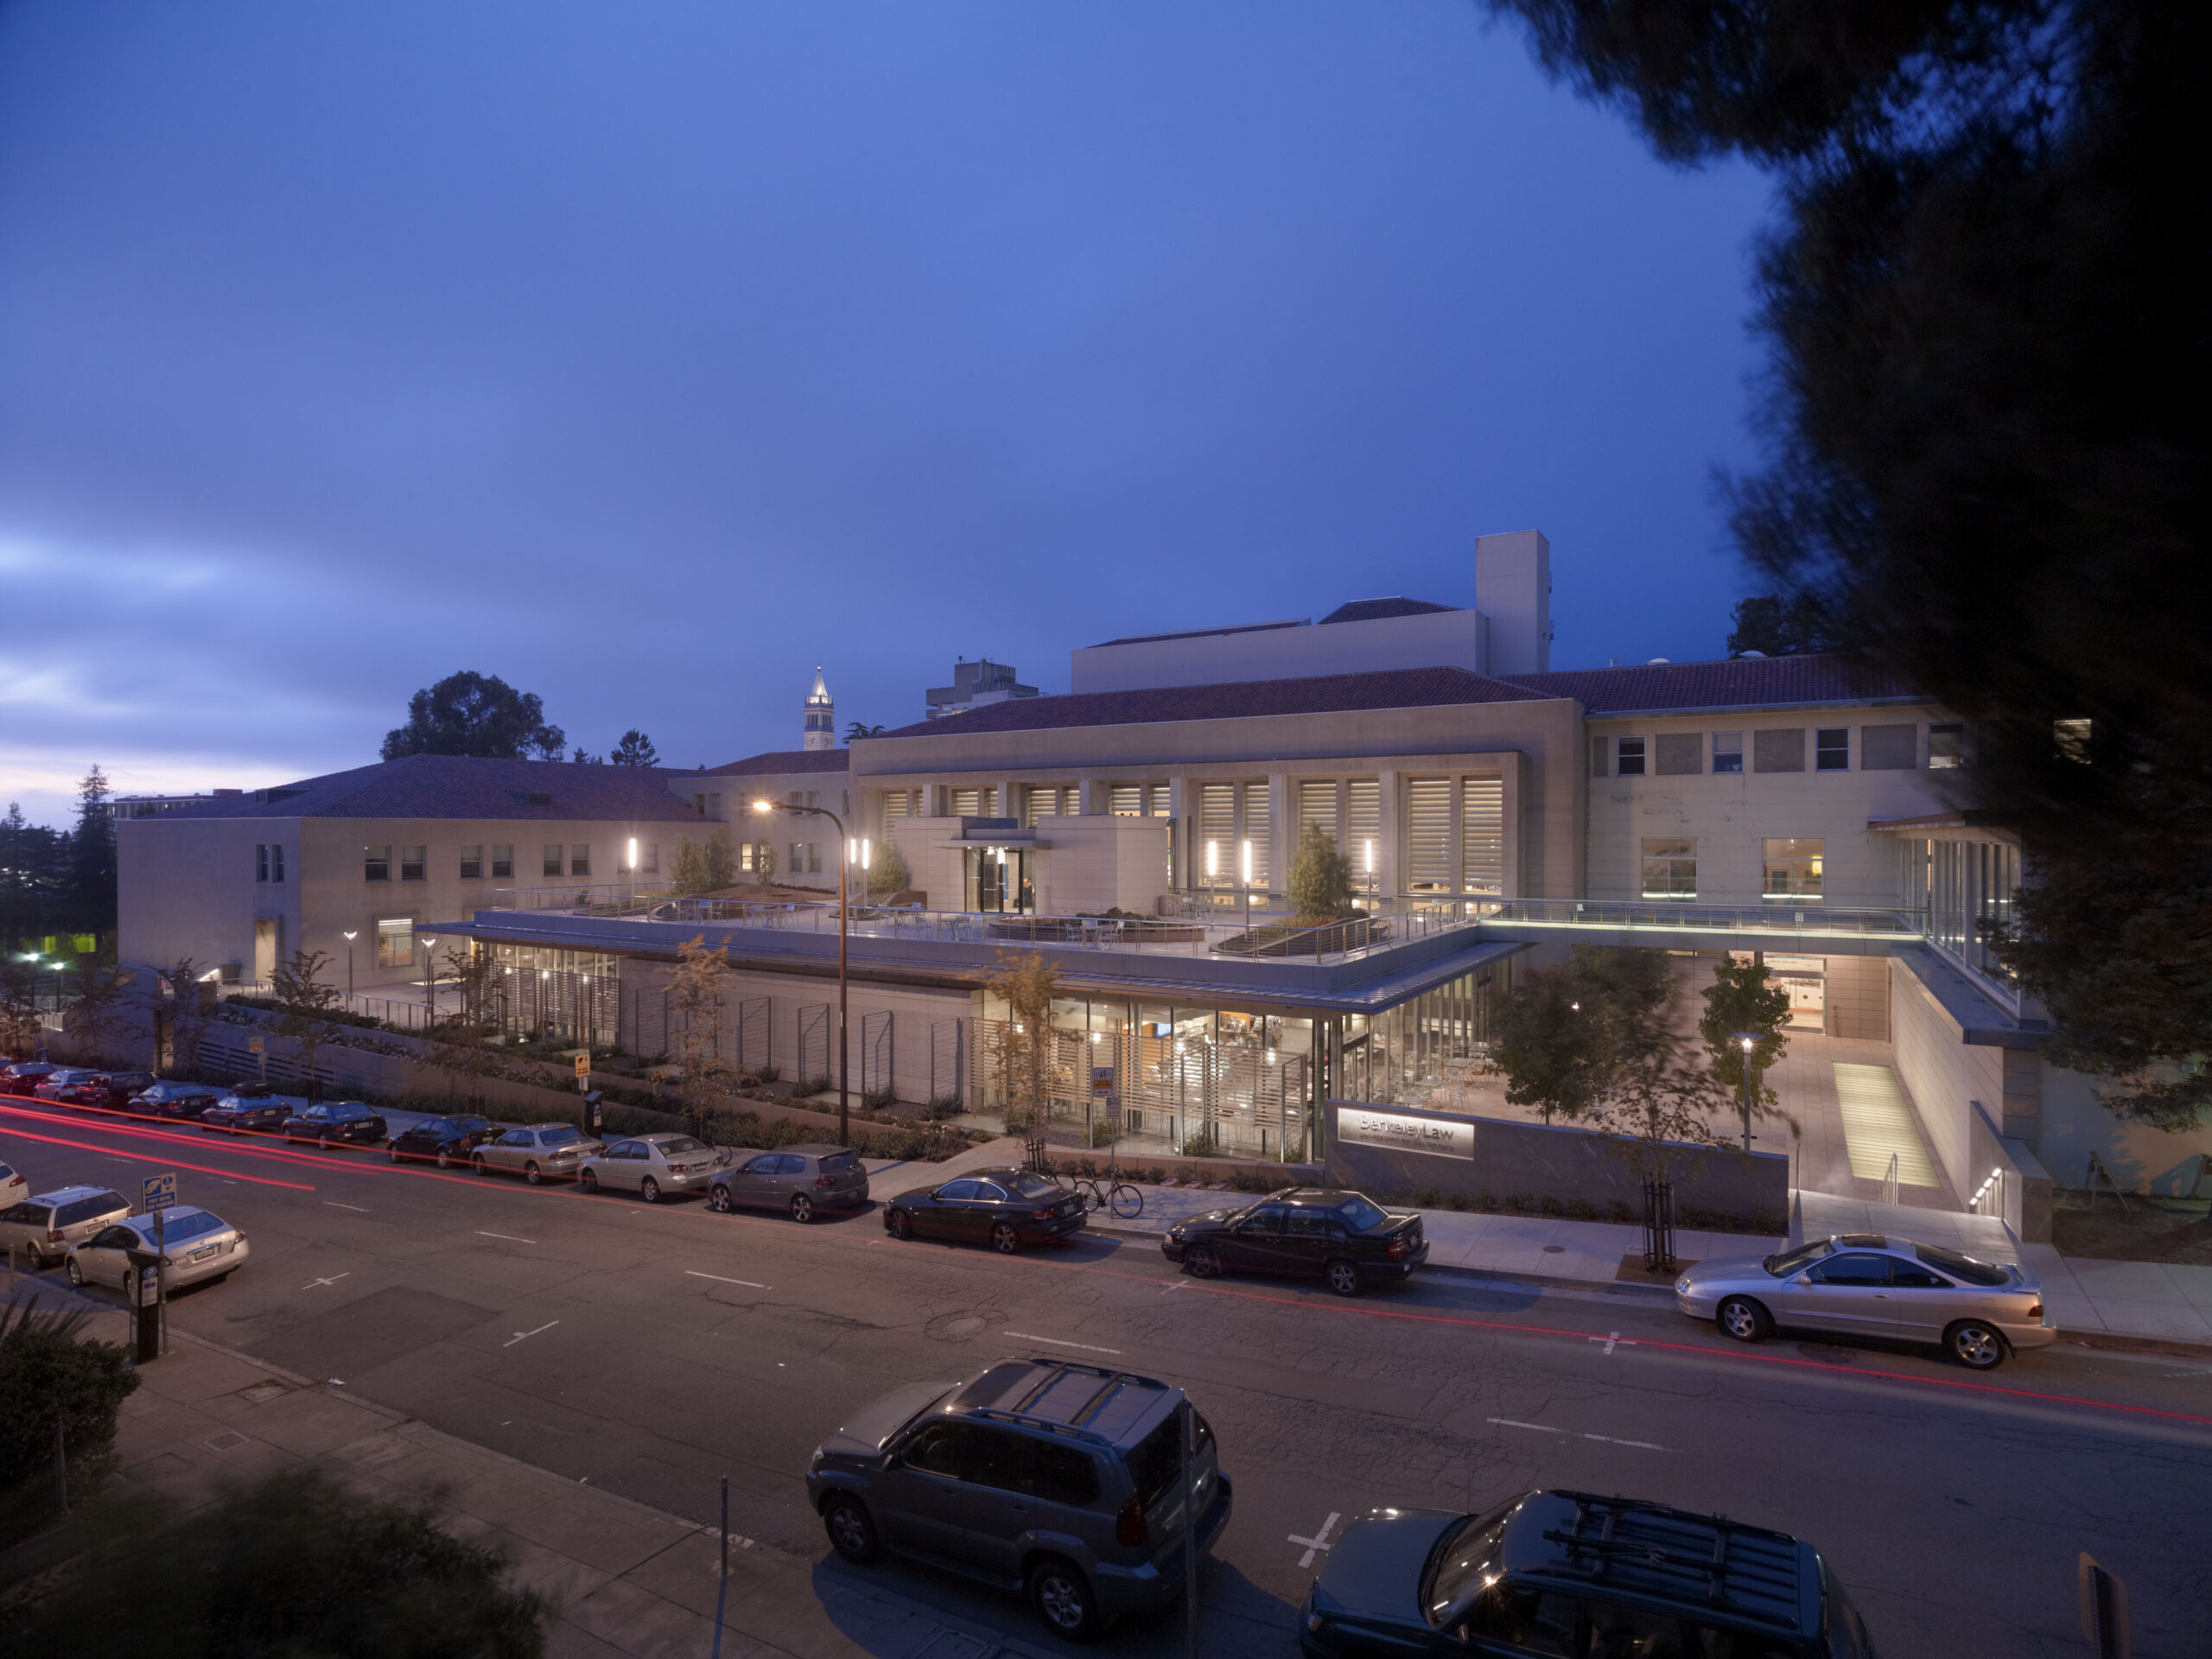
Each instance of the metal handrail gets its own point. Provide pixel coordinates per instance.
(1778, 915)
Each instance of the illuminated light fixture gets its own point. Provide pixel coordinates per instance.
(633, 854)
(1213, 851)
(1370, 856)
(1244, 861)
(764, 806)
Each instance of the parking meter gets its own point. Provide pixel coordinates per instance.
(145, 1293)
(593, 1119)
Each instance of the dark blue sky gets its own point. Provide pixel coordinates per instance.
(647, 355)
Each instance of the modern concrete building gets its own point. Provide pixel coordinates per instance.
(976, 685)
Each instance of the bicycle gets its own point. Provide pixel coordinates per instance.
(1109, 1191)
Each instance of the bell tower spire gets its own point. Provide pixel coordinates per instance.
(821, 716)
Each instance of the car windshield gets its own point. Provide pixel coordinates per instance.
(1458, 1567)
(1029, 1185)
(1359, 1214)
(670, 1145)
(1798, 1260)
(1962, 1267)
(564, 1136)
(837, 1160)
(177, 1227)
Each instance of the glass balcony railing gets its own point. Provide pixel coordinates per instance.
(1775, 915)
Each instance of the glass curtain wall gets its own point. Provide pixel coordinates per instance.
(1967, 889)
(563, 999)
(1429, 1051)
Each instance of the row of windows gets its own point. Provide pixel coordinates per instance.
(1790, 868)
(1881, 749)
(559, 858)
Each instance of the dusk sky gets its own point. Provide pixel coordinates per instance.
(648, 355)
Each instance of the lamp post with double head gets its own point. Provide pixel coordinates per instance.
(762, 808)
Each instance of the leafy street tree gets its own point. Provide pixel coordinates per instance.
(1026, 985)
(889, 874)
(36, 894)
(635, 749)
(1743, 1001)
(696, 998)
(98, 1006)
(365, 1578)
(1320, 877)
(1776, 626)
(305, 1000)
(861, 728)
(475, 714)
(1985, 304)
(764, 862)
(19, 1021)
(181, 1013)
(59, 1386)
(705, 867)
(472, 975)
(1553, 1051)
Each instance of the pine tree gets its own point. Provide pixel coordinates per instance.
(92, 857)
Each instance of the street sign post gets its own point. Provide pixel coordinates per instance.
(583, 1073)
(157, 1195)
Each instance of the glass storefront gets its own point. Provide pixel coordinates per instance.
(998, 879)
(567, 999)
(1425, 1052)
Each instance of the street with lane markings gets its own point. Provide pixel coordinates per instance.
(649, 1350)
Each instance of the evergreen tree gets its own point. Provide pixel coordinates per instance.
(1320, 877)
(92, 857)
(635, 749)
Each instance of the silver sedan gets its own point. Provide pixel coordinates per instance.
(652, 1165)
(198, 1245)
(1866, 1284)
(543, 1152)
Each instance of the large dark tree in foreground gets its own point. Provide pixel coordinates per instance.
(475, 714)
(1989, 302)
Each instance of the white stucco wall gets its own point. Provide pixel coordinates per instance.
(1942, 1073)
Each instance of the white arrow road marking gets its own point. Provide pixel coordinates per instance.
(719, 1280)
(519, 1335)
(1318, 1541)
(355, 1208)
(1612, 1337)
(1576, 1433)
(512, 1239)
(1058, 1342)
(332, 1280)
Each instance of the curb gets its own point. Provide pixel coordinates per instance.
(2120, 1342)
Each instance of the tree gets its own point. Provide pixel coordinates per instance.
(1782, 627)
(365, 1578)
(860, 728)
(305, 1001)
(1987, 455)
(178, 1003)
(98, 998)
(474, 974)
(35, 884)
(60, 1387)
(764, 862)
(584, 756)
(635, 749)
(1743, 1000)
(889, 874)
(475, 714)
(695, 997)
(721, 861)
(1027, 985)
(92, 857)
(19, 1020)
(1320, 877)
(1553, 1051)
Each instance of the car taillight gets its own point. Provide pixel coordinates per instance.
(53, 1235)
(1398, 1245)
(1128, 1525)
(2036, 1312)
(1046, 1214)
(825, 1179)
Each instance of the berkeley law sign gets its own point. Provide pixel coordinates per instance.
(1447, 1137)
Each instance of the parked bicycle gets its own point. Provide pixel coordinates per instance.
(1109, 1191)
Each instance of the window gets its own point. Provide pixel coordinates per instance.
(1428, 834)
(412, 861)
(1061, 1474)
(1853, 1268)
(1632, 758)
(1946, 746)
(579, 858)
(652, 858)
(1778, 750)
(1364, 825)
(1126, 800)
(275, 861)
(1258, 830)
(699, 805)
(1482, 835)
(552, 858)
(395, 943)
(1793, 869)
(1680, 754)
(1832, 749)
(1889, 749)
(376, 863)
(995, 1458)
(260, 863)
(1727, 752)
(936, 1449)
(1529, 1621)
(503, 864)
(472, 862)
(714, 806)
(965, 803)
(745, 856)
(1670, 868)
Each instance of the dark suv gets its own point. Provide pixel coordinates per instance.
(1059, 1480)
(1571, 1574)
(1342, 1238)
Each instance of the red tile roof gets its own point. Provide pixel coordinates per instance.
(1729, 683)
(461, 786)
(778, 761)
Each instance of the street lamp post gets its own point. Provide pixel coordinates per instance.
(349, 938)
(430, 977)
(1748, 1042)
(844, 916)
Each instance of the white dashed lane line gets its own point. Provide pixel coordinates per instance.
(355, 1208)
(519, 1335)
(1577, 1435)
(509, 1237)
(718, 1279)
(1059, 1342)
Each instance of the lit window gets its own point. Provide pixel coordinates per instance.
(1727, 752)
(503, 864)
(1792, 870)
(1631, 757)
(745, 856)
(1946, 746)
(580, 859)
(1831, 748)
(552, 858)
(413, 861)
(1670, 868)
(376, 863)
(472, 862)
(395, 943)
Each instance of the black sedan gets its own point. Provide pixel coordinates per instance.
(182, 1102)
(1004, 1208)
(25, 1077)
(249, 1109)
(109, 1092)
(447, 1140)
(343, 1123)
(1341, 1238)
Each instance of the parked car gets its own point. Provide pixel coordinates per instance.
(537, 1153)
(25, 1077)
(1062, 1481)
(798, 1180)
(652, 1166)
(447, 1141)
(1868, 1285)
(254, 1111)
(109, 1092)
(60, 1082)
(1342, 1238)
(181, 1101)
(1006, 1208)
(340, 1123)
(1566, 1573)
(45, 1226)
(13, 1187)
(197, 1245)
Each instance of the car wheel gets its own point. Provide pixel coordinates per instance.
(719, 1200)
(1342, 1276)
(1061, 1597)
(852, 1534)
(479, 1166)
(649, 1190)
(76, 1274)
(1977, 1346)
(802, 1208)
(587, 1180)
(532, 1174)
(1744, 1319)
(393, 1152)
(445, 1159)
(1201, 1262)
(898, 1224)
(1004, 1239)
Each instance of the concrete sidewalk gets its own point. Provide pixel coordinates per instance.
(623, 1579)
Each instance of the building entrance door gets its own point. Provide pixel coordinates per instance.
(265, 951)
(998, 879)
(1806, 979)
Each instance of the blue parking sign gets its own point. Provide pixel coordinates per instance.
(160, 1192)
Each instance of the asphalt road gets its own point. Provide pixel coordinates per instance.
(649, 1350)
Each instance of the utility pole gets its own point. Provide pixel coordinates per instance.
(844, 916)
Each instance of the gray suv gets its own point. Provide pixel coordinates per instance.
(44, 1228)
(1061, 1481)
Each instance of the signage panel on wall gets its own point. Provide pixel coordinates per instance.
(1445, 1137)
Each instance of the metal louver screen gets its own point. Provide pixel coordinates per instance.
(1428, 834)
(1126, 800)
(1482, 835)
(1317, 805)
(1216, 823)
(1363, 822)
(967, 803)
(1258, 830)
